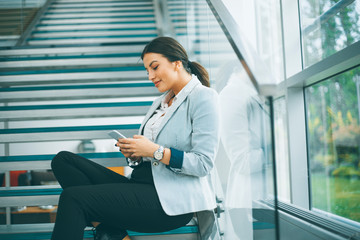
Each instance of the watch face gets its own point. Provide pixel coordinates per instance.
(158, 155)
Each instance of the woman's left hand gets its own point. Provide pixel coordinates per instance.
(138, 146)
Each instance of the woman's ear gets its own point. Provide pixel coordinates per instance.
(178, 65)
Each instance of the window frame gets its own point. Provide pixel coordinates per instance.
(297, 77)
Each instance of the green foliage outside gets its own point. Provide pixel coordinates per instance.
(334, 33)
(341, 196)
(332, 108)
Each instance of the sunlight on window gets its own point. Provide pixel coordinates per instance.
(333, 144)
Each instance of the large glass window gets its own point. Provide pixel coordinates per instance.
(327, 27)
(244, 163)
(333, 131)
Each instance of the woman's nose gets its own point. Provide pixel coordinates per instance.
(151, 75)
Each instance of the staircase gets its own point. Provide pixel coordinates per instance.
(78, 76)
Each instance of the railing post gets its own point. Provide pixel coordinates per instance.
(162, 16)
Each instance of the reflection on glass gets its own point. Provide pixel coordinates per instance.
(245, 180)
(327, 27)
(334, 144)
(246, 143)
(281, 150)
(243, 137)
(260, 24)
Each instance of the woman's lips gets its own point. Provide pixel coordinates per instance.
(157, 83)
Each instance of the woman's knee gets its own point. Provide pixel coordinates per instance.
(59, 158)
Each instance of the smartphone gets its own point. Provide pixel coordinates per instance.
(116, 135)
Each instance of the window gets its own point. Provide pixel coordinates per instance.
(327, 27)
(333, 132)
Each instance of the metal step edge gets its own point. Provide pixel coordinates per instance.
(44, 134)
(71, 50)
(74, 78)
(49, 157)
(73, 111)
(44, 231)
(139, 68)
(98, 33)
(86, 41)
(52, 16)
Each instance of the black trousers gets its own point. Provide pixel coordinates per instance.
(93, 193)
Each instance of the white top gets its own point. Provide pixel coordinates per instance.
(152, 126)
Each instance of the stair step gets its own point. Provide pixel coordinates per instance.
(123, 5)
(72, 77)
(71, 51)
(42, 161)
(87, 41)
(43, 134)
(104, 26)
(129, 15)
(99, 4)
(89, 20)
(99, 10)
(98, 33)
(44, 230)
(83, 63)
(91, 1)
(71, 111)
(49, 93)
(30, 191)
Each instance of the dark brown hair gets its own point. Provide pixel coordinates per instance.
(173, 51)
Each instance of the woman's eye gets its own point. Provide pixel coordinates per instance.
(155, 67)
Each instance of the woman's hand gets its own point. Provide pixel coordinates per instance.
(138, 146)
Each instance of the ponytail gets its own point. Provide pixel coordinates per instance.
(201, 73)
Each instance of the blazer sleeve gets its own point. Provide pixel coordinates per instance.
(204, 113)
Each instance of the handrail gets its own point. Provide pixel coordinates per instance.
(27, 32)
(254, 66)
(163, 21)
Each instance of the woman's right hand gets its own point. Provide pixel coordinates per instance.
(126, 154)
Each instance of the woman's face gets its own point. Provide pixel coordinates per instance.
(161, 71)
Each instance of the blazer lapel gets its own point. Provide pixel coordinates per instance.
(180, 99)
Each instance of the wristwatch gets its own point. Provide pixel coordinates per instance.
(159, 154)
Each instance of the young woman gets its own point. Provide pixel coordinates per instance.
(172, 158)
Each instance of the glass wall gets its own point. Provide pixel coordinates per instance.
(333, 130)
(313, 172)
(244, 164)
(328, 26)
(259, 23)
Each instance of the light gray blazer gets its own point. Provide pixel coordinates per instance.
(192, 128)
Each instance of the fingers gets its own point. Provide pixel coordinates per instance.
(125, 140)
(138, 136)
(136, 146)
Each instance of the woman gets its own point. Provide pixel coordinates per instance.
(172, 157)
